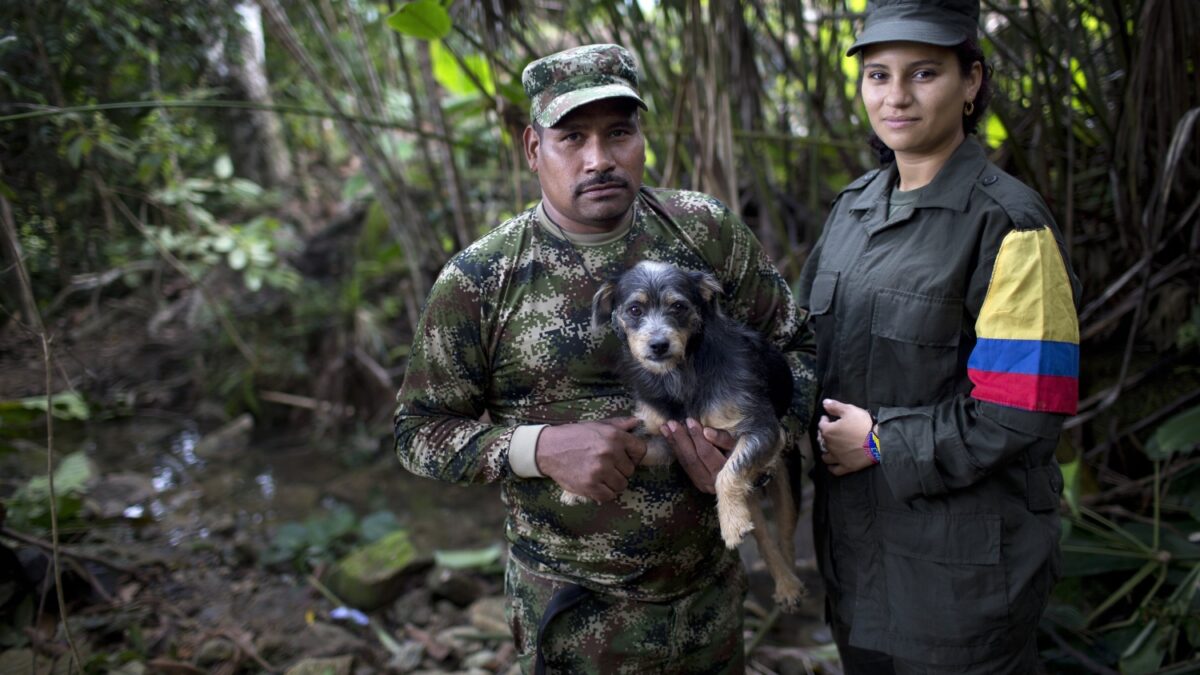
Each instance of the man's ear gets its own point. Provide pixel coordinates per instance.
(602, 305)
(533, 144)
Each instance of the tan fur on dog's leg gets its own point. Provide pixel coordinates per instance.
(732, 510)
(572, 499)
(785, 506)
(789, 590)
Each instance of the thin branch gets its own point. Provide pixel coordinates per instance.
(236, 105)
(58, 586)
(70, 553)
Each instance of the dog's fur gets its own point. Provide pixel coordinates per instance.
(682, 357)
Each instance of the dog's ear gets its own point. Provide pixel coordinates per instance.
(710, 288)
(602, 305)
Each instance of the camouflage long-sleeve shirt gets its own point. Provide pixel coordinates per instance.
(507, 331)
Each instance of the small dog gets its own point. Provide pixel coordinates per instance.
(682, 357)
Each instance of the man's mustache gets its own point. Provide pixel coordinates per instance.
(606, 179)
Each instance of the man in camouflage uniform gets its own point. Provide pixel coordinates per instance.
(638, 581)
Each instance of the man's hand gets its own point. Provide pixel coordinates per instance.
(842, 439)
(699, 451)
(591, 459)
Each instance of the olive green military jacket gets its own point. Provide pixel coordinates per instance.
(507, 330)
(953, 322)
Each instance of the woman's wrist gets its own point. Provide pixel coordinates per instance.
(870, 444)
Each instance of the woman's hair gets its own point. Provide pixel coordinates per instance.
(968, 52)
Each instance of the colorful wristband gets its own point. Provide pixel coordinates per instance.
(871, 447)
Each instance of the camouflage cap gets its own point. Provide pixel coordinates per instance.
(559, 83)
(937, 22)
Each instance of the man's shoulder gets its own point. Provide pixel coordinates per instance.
(504, 239)
(688, 203)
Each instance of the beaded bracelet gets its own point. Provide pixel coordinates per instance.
(871, 446)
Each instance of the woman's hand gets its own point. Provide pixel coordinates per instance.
(842, 439)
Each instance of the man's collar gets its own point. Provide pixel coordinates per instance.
(594, 239)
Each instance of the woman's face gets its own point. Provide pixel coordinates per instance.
(914, 94)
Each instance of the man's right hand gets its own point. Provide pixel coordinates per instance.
(592, 459)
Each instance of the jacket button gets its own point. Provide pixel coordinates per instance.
(991, 179)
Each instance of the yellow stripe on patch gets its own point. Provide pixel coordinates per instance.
(1030, 295)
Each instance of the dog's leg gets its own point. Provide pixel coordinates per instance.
(658, 453)
(571, 499)
(789, 590)
(733, 493)
(785, 506)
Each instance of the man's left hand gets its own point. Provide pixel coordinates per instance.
(700, 451)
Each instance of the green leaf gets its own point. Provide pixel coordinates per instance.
(355, 185)
(1145, 653)
(223, 167)
(71, 475)
(1178, 435)
(469, 558)
(451, 75)
(378, 525)
(75, 151)
(422, 19)
(223, 243)
(237, 258)
(67, 405)
(1070, 473)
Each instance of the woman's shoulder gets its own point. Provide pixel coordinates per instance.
(1021, 203)
(862, 181)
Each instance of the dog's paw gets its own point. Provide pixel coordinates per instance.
(788, 599)
(734, 530)
(572, 499)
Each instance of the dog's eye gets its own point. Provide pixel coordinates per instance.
(678, 307)
(635, 310)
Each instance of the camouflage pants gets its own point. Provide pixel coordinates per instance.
(602, 634)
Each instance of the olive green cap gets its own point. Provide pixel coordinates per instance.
(937, 22)
(560, 83)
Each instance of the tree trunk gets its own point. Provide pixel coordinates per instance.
(255, 137)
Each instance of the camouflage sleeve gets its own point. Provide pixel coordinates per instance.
(759, 297)
(437, 425)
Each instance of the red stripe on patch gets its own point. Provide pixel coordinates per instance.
(1043, 393)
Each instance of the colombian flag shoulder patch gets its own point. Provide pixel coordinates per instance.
(1027, 349)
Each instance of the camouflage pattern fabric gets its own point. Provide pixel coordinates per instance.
(559, 83)
(507, 331)
(605, 635)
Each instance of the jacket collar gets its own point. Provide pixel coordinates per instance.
(950, 188)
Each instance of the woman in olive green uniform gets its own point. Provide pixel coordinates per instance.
(948, 349)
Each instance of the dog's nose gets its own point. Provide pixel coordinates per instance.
(659, 347)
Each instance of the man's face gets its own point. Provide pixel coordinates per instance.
(589, 164)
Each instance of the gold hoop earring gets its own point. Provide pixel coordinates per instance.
(968, 108)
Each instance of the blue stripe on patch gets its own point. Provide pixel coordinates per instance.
(1025, 357)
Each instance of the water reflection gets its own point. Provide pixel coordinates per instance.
(184, 445)
(163, 479)
(266, 483)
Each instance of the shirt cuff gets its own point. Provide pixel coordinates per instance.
(522, 451)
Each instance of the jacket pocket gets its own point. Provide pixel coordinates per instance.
(914, 348)
(820, 298)
(821, 316)
(945, 580)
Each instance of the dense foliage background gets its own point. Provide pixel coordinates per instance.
(245, 203)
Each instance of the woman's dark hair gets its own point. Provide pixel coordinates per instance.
(968, 52)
